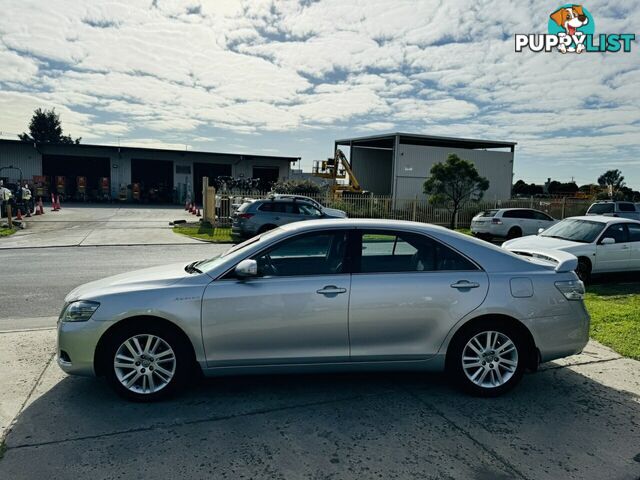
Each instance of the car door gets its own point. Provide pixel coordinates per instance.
(407, 291)
(295, 311)
(615, 256)
(634, 245)
(529, 222)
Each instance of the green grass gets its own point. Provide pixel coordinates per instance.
(205, 232)
(615, 316)
(5, 232)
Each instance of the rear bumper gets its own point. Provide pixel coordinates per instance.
(562, 335)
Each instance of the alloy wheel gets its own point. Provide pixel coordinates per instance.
(490, 359)
(145, 364)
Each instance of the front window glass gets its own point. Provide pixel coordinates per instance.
(313, 254)
(617, 232)
(583, 231)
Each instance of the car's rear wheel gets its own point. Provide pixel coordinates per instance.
(487, 360)
(583, 270)
(514, 232)
(147, 362)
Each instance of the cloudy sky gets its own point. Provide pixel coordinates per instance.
(288, 77)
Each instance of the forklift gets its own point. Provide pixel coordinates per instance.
(337, 168)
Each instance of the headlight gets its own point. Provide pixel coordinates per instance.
(79, 311)
(571, 289)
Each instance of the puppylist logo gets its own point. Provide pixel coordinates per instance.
(572, 30)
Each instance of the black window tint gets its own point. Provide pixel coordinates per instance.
(599, 208)
(618, 232)
(306, 209)
(626, 207)
(528, 214)
(266, 207)
(634, 232)
(313, 254)
(542, 216)
(407, 252)
(509, 214)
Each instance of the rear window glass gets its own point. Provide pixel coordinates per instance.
(626, 207)
(489, 213)
(601, 208)
(244, 207)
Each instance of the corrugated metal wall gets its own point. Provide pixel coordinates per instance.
(413, 163)
(22, 155)
(373, 169)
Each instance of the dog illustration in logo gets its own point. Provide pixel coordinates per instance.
(570, 18)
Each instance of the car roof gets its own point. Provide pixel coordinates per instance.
(602, 219)
(516, 208)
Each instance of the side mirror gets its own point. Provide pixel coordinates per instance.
(607, 241)
(540, 230)
(246, 268)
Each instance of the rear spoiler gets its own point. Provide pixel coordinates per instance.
(566, 262)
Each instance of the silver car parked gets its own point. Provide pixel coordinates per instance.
(330, 295)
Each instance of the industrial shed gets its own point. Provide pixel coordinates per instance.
(398, 164)
(163, 175)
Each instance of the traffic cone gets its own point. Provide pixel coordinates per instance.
(41, 206)
(198, 214)
(19, 215)
(192, 208)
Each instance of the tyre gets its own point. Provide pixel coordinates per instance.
(514, 232)
(146, 362)
(487, 359)
(584, 269)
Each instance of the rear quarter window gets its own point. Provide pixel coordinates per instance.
(488, 213)
(626, 207)
(599, 208)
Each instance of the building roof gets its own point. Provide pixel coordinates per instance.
(119, 148)
(388, 140)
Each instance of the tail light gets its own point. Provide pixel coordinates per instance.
(496, 221)
(245, 215)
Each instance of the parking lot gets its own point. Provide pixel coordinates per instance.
(575, 418)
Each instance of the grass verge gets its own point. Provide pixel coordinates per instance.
(615, 316)
(5, 232)
(205, 232)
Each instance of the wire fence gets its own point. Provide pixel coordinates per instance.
(414, 209)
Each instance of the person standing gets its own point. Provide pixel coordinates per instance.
(27, 198)
(5, 199)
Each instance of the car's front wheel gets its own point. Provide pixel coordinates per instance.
(487, 360)
(146, 362)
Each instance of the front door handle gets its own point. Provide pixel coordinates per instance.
(465, 284)
(331, 290)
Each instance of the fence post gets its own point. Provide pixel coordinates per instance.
(415, 204)
(371, 205)
(564, 203)
(9, 216)
(531, 202)
(455, 221)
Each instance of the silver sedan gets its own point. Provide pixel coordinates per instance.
(330, 295)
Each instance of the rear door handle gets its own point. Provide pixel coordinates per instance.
(331, 290)
(465, 284)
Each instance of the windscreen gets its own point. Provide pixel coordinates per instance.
(583, 231)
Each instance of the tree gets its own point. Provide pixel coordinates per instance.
(45, 127)
(455, 182)
(612, 179)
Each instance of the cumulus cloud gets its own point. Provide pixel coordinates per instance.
(194, 70)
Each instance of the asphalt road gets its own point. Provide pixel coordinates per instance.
(35, 281)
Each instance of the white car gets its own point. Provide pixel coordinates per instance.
(509, 222)
(601, 243)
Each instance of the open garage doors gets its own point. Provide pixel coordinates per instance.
(70, 167)
(155, 178)
(211, 170)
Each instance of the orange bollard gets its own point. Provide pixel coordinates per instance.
(19, 215)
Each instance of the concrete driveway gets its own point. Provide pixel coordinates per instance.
(574, 419)
(82, 225)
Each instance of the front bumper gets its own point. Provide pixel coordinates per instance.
(77, 343)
